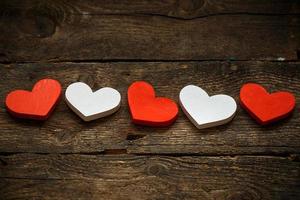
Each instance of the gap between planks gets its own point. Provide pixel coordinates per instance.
(140, 14)
(117, 152)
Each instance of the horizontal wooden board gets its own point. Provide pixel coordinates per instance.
(185, 9)
(64, 31)
(31, 176)
(64, 132)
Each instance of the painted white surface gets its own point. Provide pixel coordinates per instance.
(205, 111)
(91, 105)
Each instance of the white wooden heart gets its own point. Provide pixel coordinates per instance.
(205, 111)
(91, 105)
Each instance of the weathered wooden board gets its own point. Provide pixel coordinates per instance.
(32, 176)
(64, 132)
(101, 42)
(56, 31)
(185, 9)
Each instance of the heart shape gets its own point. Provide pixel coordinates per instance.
(91, 105)
(266, 108)
(35, 104)
(146, 109)
(205, 111)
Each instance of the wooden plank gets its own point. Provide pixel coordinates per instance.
(185, 9)
(64, 132)
(31, 176)
(53, 31)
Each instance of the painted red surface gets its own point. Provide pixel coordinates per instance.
(264, 107)
(146, 109)
(36, 104)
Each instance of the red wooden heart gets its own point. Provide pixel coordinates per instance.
(146, 109)
(265, 107)
(37, 104)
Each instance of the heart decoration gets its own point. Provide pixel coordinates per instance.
(146, 109)
(91, 105)
(36, 104)
(205, 111)
(266, 108)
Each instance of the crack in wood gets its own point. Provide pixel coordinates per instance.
(99, 61)
(116, 152)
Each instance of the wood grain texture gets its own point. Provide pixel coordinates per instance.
(64, 132)
(64, 31)
(31, 176)
(100, 43)
(185, 9)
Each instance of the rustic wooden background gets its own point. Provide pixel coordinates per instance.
(216, 44)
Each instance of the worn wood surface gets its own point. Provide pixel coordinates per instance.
(216, 44)
(64, 132)
(57, 31)
(148, 177)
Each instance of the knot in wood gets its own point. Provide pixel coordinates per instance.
(190, 5)
(37, 25)
(156, 169)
